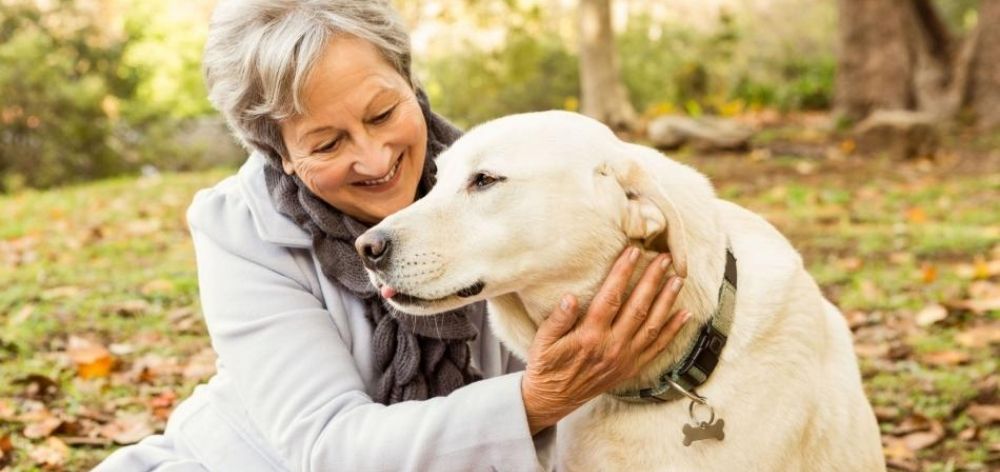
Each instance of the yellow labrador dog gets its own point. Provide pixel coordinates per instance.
(530, 207)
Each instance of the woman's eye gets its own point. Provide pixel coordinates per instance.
(482, 180)
(332, 145)
(384, 116)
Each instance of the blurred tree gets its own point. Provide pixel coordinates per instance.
(903, 55)
(603, 94)
(60, 84)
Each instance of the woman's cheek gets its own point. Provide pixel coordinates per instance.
(322, 179)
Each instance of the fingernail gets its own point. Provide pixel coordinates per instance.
(676, 284)
(665, 261)
(633, 254)
(565, 303)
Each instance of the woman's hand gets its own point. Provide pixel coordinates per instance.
(570, 363)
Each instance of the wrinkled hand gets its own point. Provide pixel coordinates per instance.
(570, 363)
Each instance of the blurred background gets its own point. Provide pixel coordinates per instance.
(866, 130)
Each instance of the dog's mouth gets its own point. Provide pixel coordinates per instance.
(405, 299)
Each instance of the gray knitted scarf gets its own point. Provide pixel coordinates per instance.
(418, 357)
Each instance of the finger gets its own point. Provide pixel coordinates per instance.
(611, 295)
(560, 322)
(667, 335)
(639, 305)
(659, 313)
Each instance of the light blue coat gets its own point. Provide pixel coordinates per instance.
(296, 367)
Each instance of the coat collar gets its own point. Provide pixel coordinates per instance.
(271, 226)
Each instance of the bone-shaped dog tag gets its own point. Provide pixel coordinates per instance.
(704, 430)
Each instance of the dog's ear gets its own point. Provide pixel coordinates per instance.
(650, 215)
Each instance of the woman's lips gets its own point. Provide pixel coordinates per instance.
(386, 182)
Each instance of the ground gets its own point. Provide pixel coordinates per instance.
(102, 334)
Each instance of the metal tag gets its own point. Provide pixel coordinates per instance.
(699, 430)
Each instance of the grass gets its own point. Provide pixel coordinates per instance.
(112, 262)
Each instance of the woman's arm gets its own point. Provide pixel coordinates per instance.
(299, 381)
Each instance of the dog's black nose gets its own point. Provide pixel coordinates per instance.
(373, 247)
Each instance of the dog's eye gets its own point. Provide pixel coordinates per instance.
(482, 180)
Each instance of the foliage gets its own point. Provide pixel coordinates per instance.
(531, 71)
(92, 93)
(100, 300)
(60, 81)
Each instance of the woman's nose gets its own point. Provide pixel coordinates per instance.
(374, 158)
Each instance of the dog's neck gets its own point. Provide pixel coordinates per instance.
(519, 314)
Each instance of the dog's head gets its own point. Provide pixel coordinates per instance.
(523, 202)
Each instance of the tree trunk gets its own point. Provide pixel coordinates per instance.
(984, 90)
(900, 55)
(603, 95)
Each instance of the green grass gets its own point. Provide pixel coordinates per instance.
(73, 257)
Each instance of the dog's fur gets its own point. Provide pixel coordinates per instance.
(571, 196)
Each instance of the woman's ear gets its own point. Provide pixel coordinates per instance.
(650, 215)
(286, 165)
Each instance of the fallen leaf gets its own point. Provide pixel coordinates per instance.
(895, 449)
(912, 424)
(979, 336)
(201, 366)
(928, 273)
(916, 215)
(984, 415)
(945, 358)
(976, 306)
(92, 359)
(5, 450)
(856, 319)
(39, 423)
(931, 314)
(52, 453)
(7, 410)
(968, 434)
(128, 428)
(38, 387)
(872, 351)
(130, 308)
(924, 439)
(886, 413)
(163, 404)
(161, 287)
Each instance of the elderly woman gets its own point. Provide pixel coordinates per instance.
(315, 372)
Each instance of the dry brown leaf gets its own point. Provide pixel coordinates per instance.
(968, 434)
(130, 307)
(911, 424)
(201, 366)
(928, 273)
(92, 359)
(38, 387)
(984, 415)
(979, 336)
(916, 215)
(895, 449)
(945, 358)
(977, 306)
(158, 287)
(7, 409)
(872, 351)
(856, 319)
(886, 413)
(128, 428)
(52, 453)
(6, 447)
(39, 423)
(924, 439)
(931, 314)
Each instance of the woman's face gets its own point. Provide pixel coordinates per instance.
(361, 144)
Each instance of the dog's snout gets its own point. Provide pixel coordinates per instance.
(373, 247)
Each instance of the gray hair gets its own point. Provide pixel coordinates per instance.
(259, 54)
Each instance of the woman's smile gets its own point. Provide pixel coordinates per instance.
(386, 182)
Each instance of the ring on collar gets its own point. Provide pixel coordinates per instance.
(711, 413)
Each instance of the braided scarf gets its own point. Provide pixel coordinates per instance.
(418, 357)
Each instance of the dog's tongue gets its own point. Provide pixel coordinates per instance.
(388, 292)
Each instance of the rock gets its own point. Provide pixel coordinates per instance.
(704, 134)
(902, 134)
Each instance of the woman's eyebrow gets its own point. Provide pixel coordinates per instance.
(385, 92)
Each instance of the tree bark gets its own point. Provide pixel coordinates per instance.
(900, 55)
(604, 96)
(984, 90)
